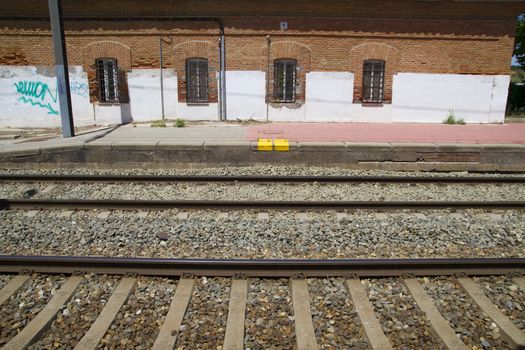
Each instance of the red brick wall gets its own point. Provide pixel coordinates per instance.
(439, 36)
(461, 9)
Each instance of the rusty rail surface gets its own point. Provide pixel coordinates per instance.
(118, 204)
(262, 267)
(270, 179)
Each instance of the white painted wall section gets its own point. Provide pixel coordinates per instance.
(371, 114)
(428, 98)
(500, 92)
(198, 111)
(29, 97)
(145, 94)
(245, 95)
(111, 113)
(329, 96)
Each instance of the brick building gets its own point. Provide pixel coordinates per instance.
(295, 60)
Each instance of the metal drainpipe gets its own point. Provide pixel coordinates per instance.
(222, 53)
(222, 77)
(268, 41)
(161, 41)
(161, 79)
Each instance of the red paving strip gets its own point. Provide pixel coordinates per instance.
(408, 133)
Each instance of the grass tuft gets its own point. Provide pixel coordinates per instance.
(451, 119)
(158, 124)
(180, 123)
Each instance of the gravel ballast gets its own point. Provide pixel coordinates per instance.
(473, 326)
(4, 280)
(269, 315)
(75, 319)
(267, 170)
(266, 192)
(204, 324)
(327, 234)
(269, 319)
(262, 191)
(271, 234)
(509, 298)
(335, 319)
(16, 313)
(138, 322)
(402, 321)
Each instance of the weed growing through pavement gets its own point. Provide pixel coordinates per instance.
(180, 123)
(451, 119)
(158, 124)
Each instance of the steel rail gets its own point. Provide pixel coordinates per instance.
(247, 178)
(205, 204)
(261, 267)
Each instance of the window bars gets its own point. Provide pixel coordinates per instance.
(107, 77)
(197, 80)
(285, 80)
(373, 81)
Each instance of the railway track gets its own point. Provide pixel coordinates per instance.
(297, 281)
(262, 179)
(106, 204)
(146, 183)
(263, 267)
(243, 275)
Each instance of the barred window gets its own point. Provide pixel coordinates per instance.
(107, 78)
(373, 81)
(197, 80)
(285, 80)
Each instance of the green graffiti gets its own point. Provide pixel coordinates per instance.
(35, 89)
(50, 109)
(37, 94)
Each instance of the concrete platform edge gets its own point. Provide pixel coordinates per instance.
(398, 156)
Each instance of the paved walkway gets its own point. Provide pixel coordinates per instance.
(326, 132)
(129, 135)
(190, 134)
(363, 146)
(401, 133)
(35, 145)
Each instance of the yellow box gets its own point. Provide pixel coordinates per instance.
(281, 145)
(264, 145)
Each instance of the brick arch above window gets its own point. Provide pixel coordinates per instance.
(378, 51)
(374, 51)
(196, 49)
(289, 50)
(106, 48)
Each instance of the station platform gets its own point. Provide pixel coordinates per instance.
(356, 145)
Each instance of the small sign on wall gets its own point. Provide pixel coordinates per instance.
(284, 25)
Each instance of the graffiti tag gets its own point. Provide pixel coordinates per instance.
(38, 94)
(78, 88)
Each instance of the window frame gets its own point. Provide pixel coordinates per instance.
(373, 88)
(199, 93)
(107, 80)
(282, 93)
